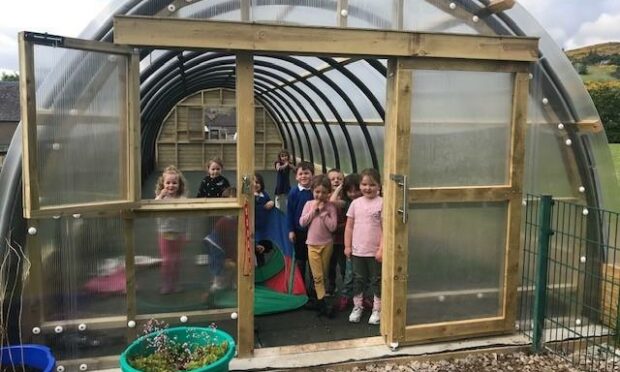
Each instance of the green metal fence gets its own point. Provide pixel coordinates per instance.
(571, 282)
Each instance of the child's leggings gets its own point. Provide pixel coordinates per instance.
(318, 257)
(170, 251)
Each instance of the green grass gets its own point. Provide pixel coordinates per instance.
(615, 154)
(599, 73)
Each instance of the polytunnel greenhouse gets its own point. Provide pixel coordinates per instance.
(464, 107)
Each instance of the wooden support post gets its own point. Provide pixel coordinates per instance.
(245, 171)
(395, 231)
(130, 273)
(28, 105)
(517, 166)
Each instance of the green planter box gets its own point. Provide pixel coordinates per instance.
(196, 335)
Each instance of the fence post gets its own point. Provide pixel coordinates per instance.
(540, 286)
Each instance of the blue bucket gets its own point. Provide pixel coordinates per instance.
(35, 356)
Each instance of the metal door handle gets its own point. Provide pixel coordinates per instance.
(401, 180)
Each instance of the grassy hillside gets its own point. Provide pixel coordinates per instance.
(599, 73)
(604, 49)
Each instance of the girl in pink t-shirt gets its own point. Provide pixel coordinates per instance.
(362, 242)
(321, 217)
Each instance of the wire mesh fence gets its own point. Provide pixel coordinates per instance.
(571, 282)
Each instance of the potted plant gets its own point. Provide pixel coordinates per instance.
(27, 357)
(163, 349)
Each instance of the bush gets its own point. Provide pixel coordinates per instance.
(606, 97)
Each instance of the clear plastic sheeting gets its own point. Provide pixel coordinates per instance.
(455, 267)
(221, 10)
(185, 262)
(81, 127)
(314, 12)
(81, 260)
(460, 128)
(381, 15)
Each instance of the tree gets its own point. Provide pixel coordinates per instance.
(606, 97)
(13, 76)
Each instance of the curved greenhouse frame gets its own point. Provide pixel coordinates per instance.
(458, 138)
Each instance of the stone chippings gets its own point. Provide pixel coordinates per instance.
(523, 362)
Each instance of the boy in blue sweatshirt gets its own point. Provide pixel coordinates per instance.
(297, 198)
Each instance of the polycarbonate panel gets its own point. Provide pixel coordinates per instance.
(305, 12)
(460, 128)
(328, 114)
(221, 10)
(456, 261)
(362, 151)
(335, 98)
(344, 152)
(372, 14)
(360, 101)
(83, 268)
(81, 126)
(373, 81)
(436, 16)
(308, 106)
(185, 262)
(330, 160)
(293, 68)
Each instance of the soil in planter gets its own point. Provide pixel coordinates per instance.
(19, 368)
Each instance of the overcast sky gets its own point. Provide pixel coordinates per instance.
(572, 23)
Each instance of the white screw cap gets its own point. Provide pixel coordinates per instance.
(545, 101)
(568, 142)
(560, 126)
(183, 319)
(60, 369)
(475, 19)
(36, 330)
(452, 6)
(344, 12)
(83, 367)
(582, 259)
(76, 215)
(582, 189)
(131, 323)
(172, 8)
(82, 327)
(58, 329)
(32, 230)
(234, 315)
(585, 211)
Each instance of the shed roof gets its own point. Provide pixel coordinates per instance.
(9, 101)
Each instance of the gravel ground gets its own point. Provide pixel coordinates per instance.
(480, 363)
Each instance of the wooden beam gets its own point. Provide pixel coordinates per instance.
(133, 120)
(130, 274)
(455, 64)
(266, 38)
(517, 168)
(456, 329)
(395, 230)
(245, 172)
(462, 194)
(27, 95)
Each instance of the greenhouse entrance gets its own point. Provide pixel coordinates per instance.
(432, 290)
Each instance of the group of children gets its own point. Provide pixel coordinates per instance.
(334, 222)
(333, 219)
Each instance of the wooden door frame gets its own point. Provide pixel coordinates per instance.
(396, 162)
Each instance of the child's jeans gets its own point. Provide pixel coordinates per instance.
(216, 257)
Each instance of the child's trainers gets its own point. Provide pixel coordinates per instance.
(356, 314)
(375, 317)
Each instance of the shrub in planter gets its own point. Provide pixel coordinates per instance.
(179, 349)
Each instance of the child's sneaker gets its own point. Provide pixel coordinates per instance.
(218, 284)
(375, 317)
(356, 315)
